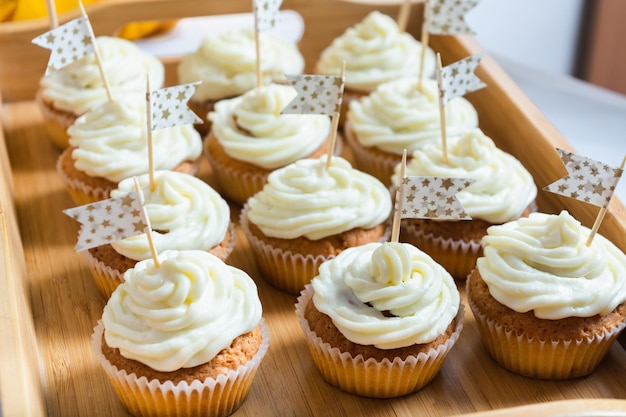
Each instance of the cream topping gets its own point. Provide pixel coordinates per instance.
(182, 313)
(226, 63)
(184, 212)
(542, 263)
(503, 188)
(375, 51)
(358, 287)
(78, 87)
(111, 141)
(307, 199)
(250, 127)
(398, 115)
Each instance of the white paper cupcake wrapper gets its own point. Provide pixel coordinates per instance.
(215, 397)
(545, 359)
(370, 377)
(380, 166)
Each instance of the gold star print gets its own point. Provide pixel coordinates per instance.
(67, 43)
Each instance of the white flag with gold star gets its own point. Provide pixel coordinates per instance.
(109, 220)
(266, 14)
(68, 43)
(590, 181)
(317, 94)
(458, 79)
(432, 198)
(447, 17)
(169, 106)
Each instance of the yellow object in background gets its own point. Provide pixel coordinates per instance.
(13, 10)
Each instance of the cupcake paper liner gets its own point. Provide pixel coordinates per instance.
(544, 359)
(80, 192)
(107, 279)
(369, 377)
(56, 122)
(212, 397)
(286, 270)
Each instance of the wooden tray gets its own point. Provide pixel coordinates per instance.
(49, 303)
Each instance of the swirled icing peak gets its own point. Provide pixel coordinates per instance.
(375, 51)
(182, 313)
(542, 263)
(389, 295)
(184, 212)
(503, 188)
(250, 127)
(308, 199)
(226, 63)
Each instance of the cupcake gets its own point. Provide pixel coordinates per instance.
(250, 138)
(546, 304)
(380, 319)
(375, 51)
(503, 191)
(110, 143)
(396, 116)
(72, 91)
(185, 337)
(226, 65)
(307, 213)
(185, 213)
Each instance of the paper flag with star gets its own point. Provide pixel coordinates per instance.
(169, 106)
(458, 79)
(68, 43)
(317, 94)
(590, 181)
(431, 198)
(109, 220)
(266, 14)
(447, 17)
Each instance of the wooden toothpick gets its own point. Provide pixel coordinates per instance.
(442, 112)
(399, 198)
(149, 135)
(403, 15)
(153, 251)
(334, 125)
(96, 53)
(52, 14)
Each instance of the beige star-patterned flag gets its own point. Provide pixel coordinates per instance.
(317, 94)
(431, 198)
(447, 17)
(68, 43)
(169, 106)
(458, 79)
(266, 14)
(109, 220)
(590, 181)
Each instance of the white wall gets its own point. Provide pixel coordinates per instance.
(538, 33)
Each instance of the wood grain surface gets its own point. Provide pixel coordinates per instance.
(49, 302)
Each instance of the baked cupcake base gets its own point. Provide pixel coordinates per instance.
(214, 389)
(239, 180)
(546, 349)
(108, 266)
(290, 264)
(366, 370)
(56, 121)
(85, 189)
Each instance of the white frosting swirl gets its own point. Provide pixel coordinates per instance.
(111, 141)
(398, 116)
(184, 212)
(542, 263)
(361, 283)
(250, 127)
(307, 199)
(503, 187)
(375, 51)
(182, 313)
(78, 87)
(226, 63)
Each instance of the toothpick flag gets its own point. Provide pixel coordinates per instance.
(68, 43)
(447, 17)
(169, 106)
(316, 94)
(588, 180)
(109, 220)
(266, 14)
(458, 79)
(432, 198)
